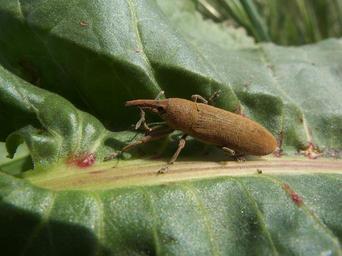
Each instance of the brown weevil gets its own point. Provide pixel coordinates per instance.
(233, 133)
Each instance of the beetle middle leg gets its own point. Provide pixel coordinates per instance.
(181, 145)
(212, 98)
(197, 97)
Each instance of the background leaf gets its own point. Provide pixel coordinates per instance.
(61, 132)
(244, 214)
(131, 62)
(286, 23)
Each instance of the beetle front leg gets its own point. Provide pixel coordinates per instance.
(142, 121)
(181, 145)
(156, 134)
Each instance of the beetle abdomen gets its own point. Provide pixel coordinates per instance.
(226, 129)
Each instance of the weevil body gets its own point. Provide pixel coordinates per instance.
(212, 125)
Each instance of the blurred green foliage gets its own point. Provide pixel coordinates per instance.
(283, 22)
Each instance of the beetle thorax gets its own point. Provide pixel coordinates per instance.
(180, 114)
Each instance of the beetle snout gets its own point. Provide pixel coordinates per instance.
(156, 106)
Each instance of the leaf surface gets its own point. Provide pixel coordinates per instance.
(96, 55)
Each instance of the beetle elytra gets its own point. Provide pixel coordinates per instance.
(232, 132)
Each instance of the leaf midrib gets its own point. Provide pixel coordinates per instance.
(144, 173)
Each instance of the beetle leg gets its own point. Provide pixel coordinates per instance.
(181, 145)
(213, 97)
(239, 157)
(142, 121)
(153, 135)
(197, 97)
(229, 151)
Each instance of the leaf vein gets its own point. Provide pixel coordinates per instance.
(40, 225)
(205, 215)
(154, 229)
(258, 214)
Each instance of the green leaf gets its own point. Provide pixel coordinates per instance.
(287, 23)
(235, 212)
(100, 65)
(64, 133)
(15, 166)
(96, 55)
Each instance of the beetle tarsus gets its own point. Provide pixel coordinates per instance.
(163, 170)
(213, 97)
(181, 145)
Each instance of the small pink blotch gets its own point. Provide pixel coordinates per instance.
(83, 160)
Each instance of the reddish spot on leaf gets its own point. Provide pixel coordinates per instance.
(294, 196)
(83, 160)
(296, 199)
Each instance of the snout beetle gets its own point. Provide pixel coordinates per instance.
(233, 133)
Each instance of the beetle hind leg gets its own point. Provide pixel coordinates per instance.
(213, 97)
(238, 156)
(228, 151)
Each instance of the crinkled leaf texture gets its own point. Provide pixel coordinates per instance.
(96, 55)
(61, 130)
